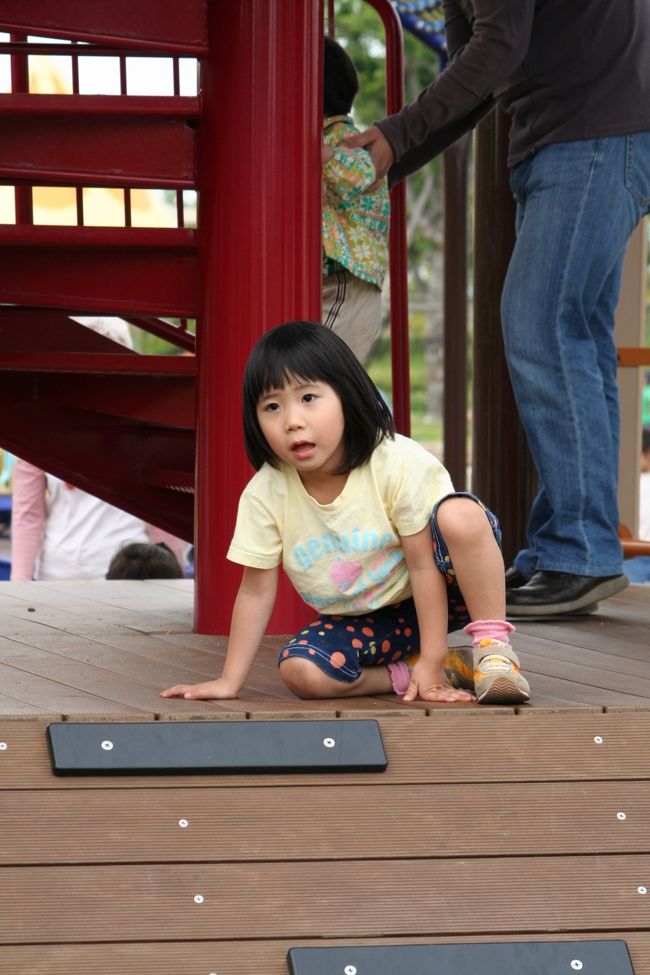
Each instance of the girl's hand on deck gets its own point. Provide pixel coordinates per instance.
(211, 690)
(430, 684)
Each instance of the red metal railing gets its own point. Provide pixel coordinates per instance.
(23, 110)
(399, 323)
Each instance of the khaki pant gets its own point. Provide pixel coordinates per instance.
(352, 309)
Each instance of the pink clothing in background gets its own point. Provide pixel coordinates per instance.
(61, 532)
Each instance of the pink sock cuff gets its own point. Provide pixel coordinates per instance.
(400, 677)
(497, 629)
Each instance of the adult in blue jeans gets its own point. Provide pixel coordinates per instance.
(575, 78)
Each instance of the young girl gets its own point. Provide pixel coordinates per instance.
(368, 528)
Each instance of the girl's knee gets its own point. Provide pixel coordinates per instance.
(304, 678)
(460, 518)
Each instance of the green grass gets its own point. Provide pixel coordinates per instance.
(426, 430)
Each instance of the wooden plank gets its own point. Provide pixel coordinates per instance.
(206, 825)
(443, 747)
(633, 664)
(57, 697)
(12, 706)
(50, 604)
(237, 958)
(335, 899)
(73, 676)
(574, 692)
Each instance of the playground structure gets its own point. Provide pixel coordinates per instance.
(158, 435)
(490, 824)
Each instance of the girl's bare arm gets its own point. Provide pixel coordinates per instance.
(253, 606)
(430, 597)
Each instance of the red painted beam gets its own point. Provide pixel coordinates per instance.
(101, 364)
(98, 106)
(117, 271)
(134, 24)
(127, 151)
(163, 400)
(107, 456)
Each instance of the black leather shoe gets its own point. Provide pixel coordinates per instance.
(514, 578)
(552, 593)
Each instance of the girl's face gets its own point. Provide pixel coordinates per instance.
(303, 425)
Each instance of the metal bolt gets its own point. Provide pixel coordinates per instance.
(598, 739)
(107, 745)
(576, 964)
(183, 823)
(642, 890)
(198, 898)
(621, 816)
(350, 970)
(3, 746)
(329, 743)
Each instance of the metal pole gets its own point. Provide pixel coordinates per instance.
(260, 242)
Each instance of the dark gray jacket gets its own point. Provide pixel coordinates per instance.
(564, 69)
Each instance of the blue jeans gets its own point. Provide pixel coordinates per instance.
(577, 204)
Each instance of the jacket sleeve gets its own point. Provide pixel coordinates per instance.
(27, 519)
(436, 142)
(496, 46)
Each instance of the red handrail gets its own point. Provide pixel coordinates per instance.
(398, 245)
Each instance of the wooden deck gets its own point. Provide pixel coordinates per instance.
(489, 824)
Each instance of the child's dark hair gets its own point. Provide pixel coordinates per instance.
(341, 82)
(141, 561)
(310, 351)
(645, 440)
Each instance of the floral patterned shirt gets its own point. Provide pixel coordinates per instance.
(355, 223)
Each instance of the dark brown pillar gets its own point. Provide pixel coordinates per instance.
(456, 160)
(503, 474)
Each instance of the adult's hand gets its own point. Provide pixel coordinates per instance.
(378, 147)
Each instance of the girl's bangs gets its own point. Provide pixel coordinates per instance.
(280, 368)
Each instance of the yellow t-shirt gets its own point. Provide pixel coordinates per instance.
(344, 557)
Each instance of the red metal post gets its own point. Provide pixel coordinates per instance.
(20, 82)
(260, 241)
(400, 356)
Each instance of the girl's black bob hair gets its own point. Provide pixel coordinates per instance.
(340, 82)
(310, 351)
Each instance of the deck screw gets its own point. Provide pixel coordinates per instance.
(350, 970)
(3, 746)
(198, 899)
(598, 739)
(183, 823)
(576, 964)
(107, 745)
(642, 890)
(329, 743)
(621, 816)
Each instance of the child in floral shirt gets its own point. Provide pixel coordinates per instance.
(355, 222)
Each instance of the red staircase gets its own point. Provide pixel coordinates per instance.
(115, 423)
(130, 428)
(144, 432)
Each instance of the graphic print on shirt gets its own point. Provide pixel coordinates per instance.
(355, 563)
